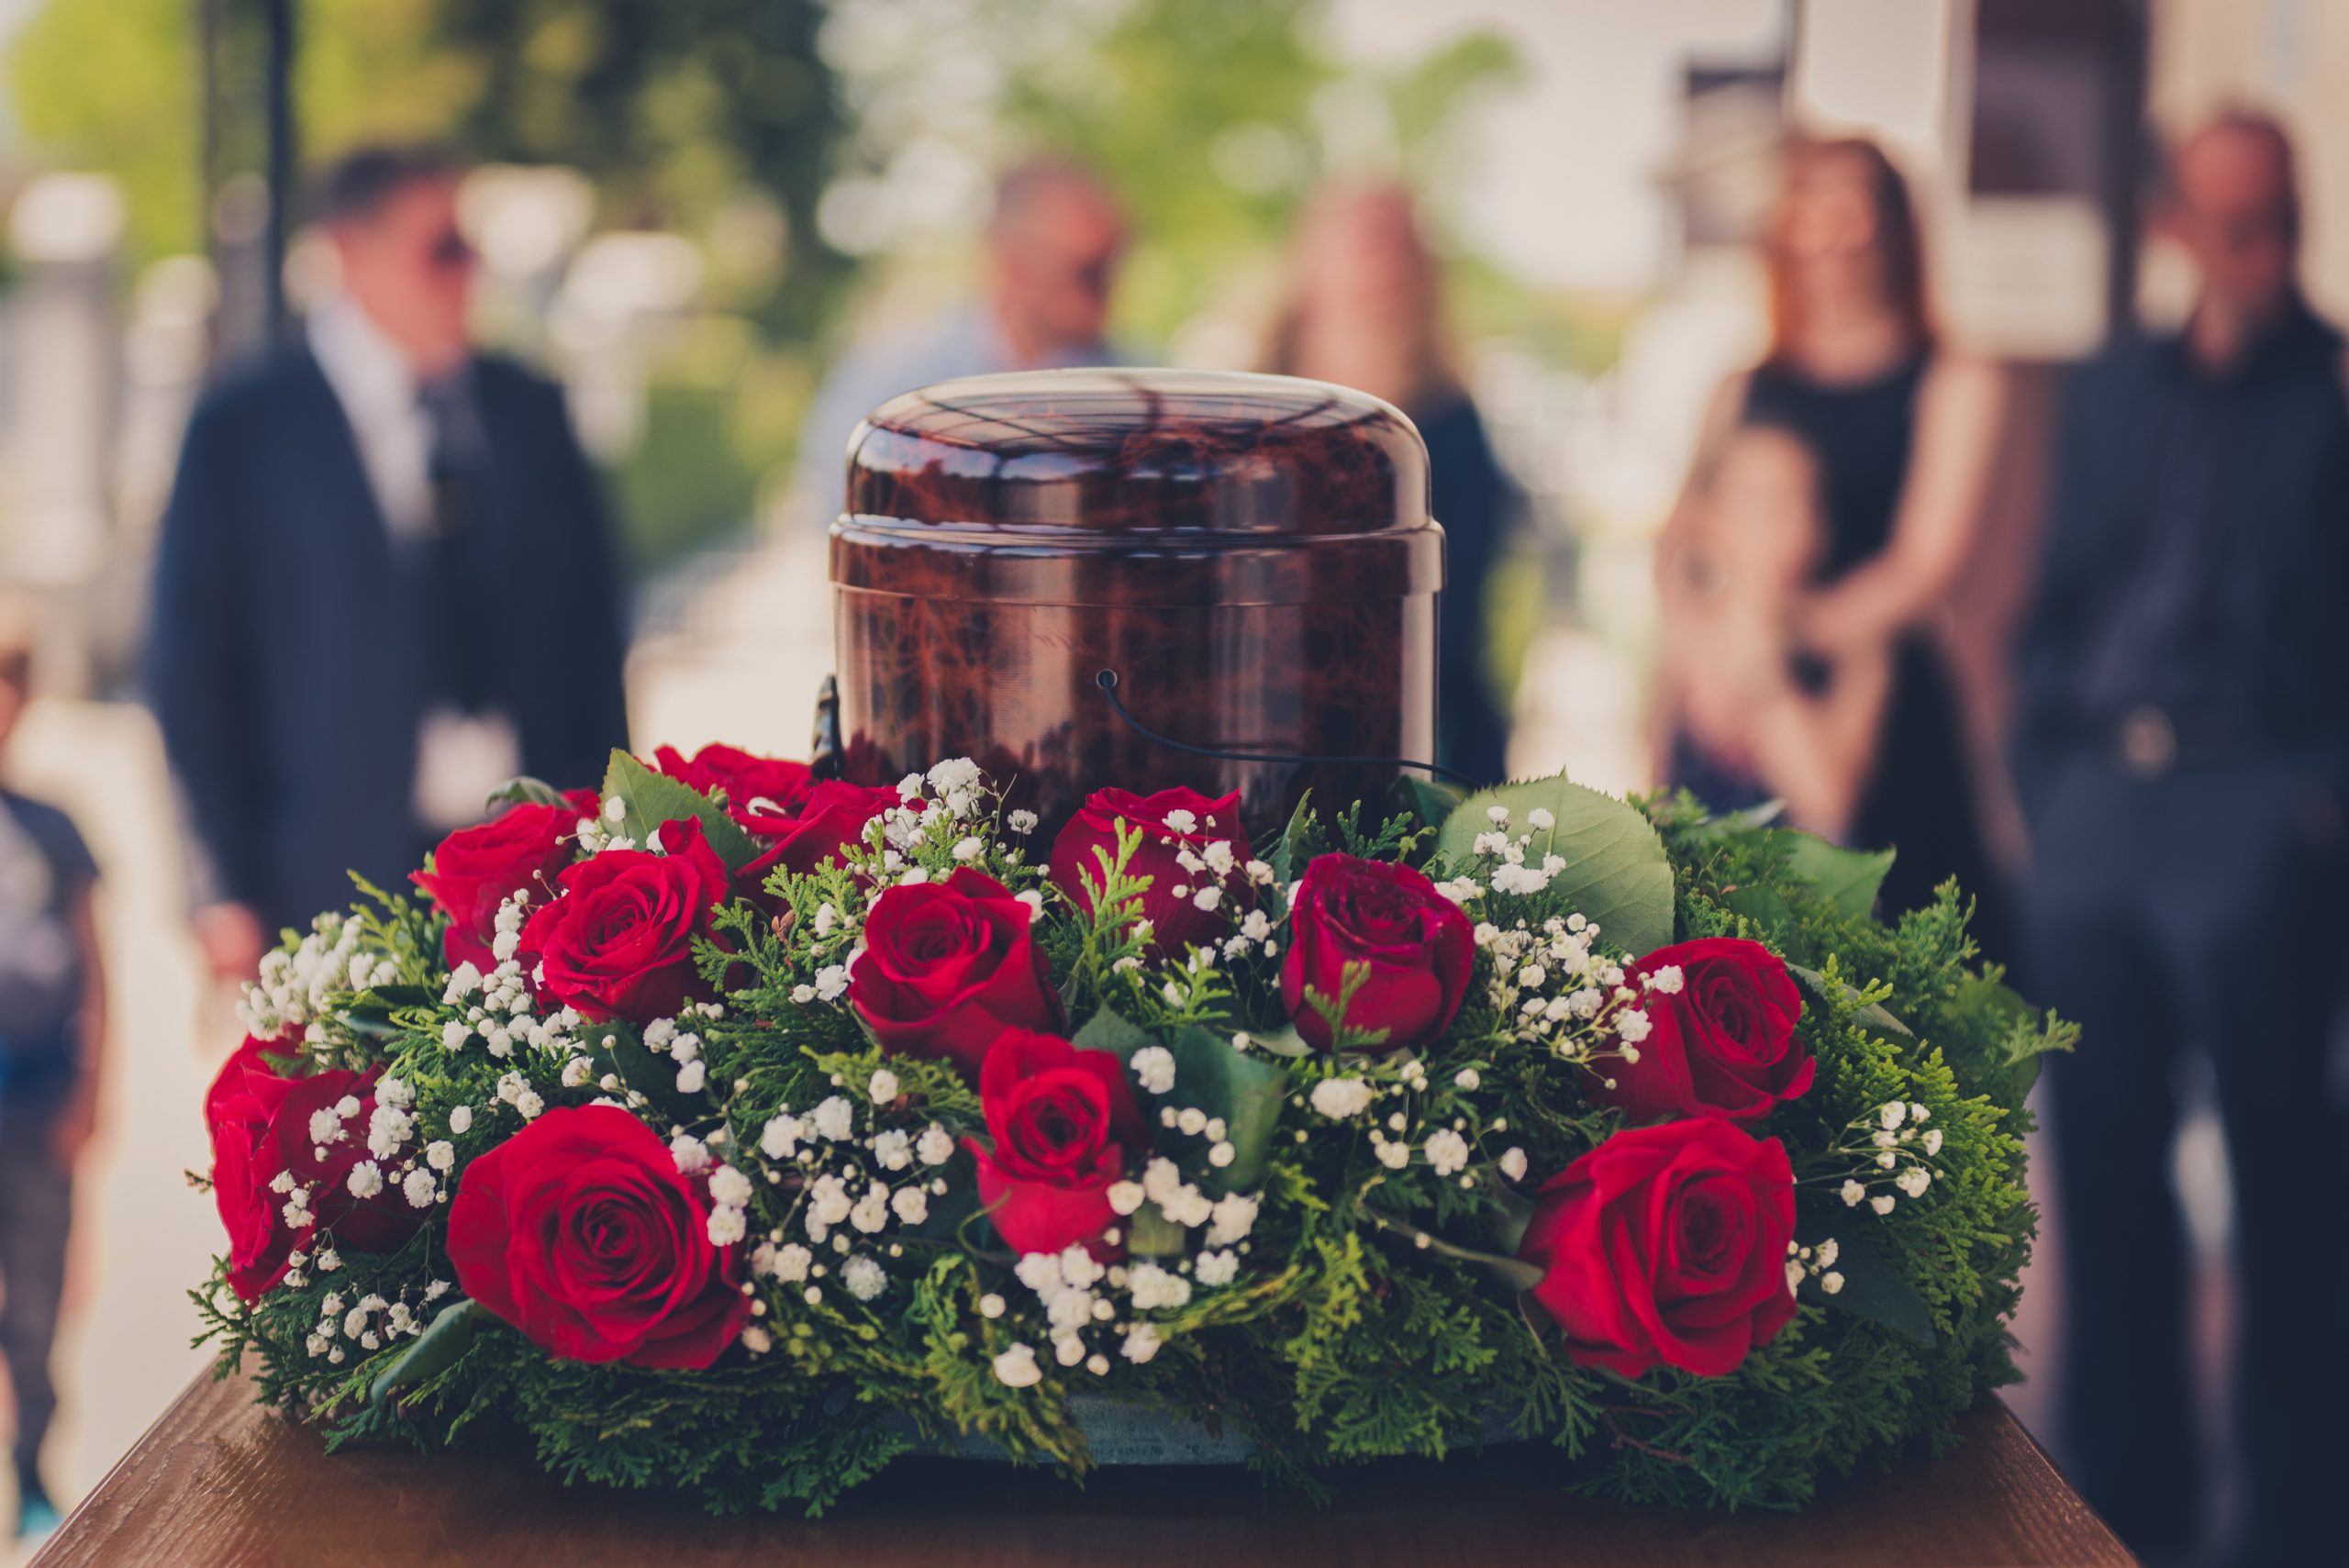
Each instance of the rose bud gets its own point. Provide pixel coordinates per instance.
(1177, 826)
(1063, 1121)
(1415, 948)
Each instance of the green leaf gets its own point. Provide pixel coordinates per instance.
(434, 1351)
(1284, 856)
(1616, 872)
(1848, 879)
(1872, 1288)
(523, 791)
(653, 798)
(1150, 1234)
(1285, 1043)
(1430, 800)
(1243, 1087)
(1512, 1216)
(1109, 1031)
(1763, 905)
(1871, 1013)
(2014, 1037)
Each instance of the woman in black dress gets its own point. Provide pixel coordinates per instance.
(1367, 312)
(1902, 433)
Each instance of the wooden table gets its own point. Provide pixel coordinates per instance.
(220, 1483)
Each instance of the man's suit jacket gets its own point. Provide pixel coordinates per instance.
(288, 660)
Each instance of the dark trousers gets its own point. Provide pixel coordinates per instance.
(36, 1210)
(2200, 910)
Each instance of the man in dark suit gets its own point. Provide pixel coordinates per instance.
(2184, 688)
(384, 583)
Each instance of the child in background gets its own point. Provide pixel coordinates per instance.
(1743, 717)
(52, 1025)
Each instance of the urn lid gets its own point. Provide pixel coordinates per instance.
(1140, 450)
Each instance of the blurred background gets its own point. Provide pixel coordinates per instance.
(691, 213)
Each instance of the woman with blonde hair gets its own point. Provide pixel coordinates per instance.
(1366, 311)
(1901, 431)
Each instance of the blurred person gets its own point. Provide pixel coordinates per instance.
(1904, 431)
(2182, 758)
(52, 1033)
(1742, 716)
(344, 659)
(1050, 252)
(1366, 311)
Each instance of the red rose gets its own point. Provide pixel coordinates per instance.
(1721, 1042)
(947, 966)
(1176, 824)
(264, 1126)
(618, 942)
(475, 869)
(580, 1232)
(1063, 1120)
(830, 819)
(761, 793)
(1666, 1245)
(1416, 947)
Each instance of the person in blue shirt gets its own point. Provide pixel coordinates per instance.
(52, 1026)
(1049, 265)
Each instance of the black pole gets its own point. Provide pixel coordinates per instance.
(281, 154)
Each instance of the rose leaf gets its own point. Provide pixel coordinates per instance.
(523, 790)
(1872, 1013)
(1244, 1088)
(1848, 879)
(1872, 1287)
(1616, 872)
(434, 1352)
(653, 798)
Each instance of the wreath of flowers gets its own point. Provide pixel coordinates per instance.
(732, 1129)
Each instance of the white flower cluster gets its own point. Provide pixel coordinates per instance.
(595, 834)
(1079, 1295)
(1449, 1150)
(1897, 1148)
(391, 1127)
(1513, 869)
(664, 1036)
(497, 1008)
(1804, 1262)
(297, 989)
(1558, 988)
(371, 1322)
(833, 1150)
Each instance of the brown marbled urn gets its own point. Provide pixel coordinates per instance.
(1252, 555)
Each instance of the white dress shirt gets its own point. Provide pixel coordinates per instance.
(460, 757)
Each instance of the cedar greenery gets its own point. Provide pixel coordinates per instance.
(1345, 1337)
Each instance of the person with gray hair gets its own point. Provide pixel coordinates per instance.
(1049, 268)
(2183, 761)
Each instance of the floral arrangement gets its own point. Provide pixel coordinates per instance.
(731, 1130)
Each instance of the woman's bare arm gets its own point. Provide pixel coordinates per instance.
(77, 1121)
(1672, 544)
(1960, 412)
(1817, 752)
